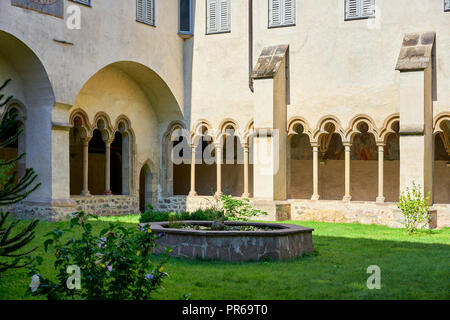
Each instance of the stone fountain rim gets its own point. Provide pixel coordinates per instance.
(283, 229)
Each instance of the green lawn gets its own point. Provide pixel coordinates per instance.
(412, 267)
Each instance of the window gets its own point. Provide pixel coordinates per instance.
(145, 11)
(447, 5)
(185, 17)
(281, 13)
(218, 16)
(359, 9)
(85, 2)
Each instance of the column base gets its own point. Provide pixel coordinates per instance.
(192, 194)
(108, 193)
(315, 197)
(245, 195)
(380, 199)
(85, 193)
(347, 198)
(218, 194)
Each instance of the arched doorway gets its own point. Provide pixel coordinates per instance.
(205, 164)
(331, 164)
(441, 180)
(364, 164)
(232, 162)
(116, 164)
(145, 188)
(392, 164)
(300, 164)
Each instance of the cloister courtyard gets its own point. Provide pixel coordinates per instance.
(412, 267)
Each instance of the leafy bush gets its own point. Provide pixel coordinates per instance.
(239, 209)
(220, 210)
(156, 216)
(414, 208)
(114, 264)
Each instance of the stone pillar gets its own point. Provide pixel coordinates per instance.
(246, 193)
(270, 113)
(85, 192)
(380, 198)
(347, 196)
(193, 192)
(415, 64)
(108, 167)
(218, 147)
(315, 195)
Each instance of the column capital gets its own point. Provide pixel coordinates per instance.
(86, 140)
(108, 141)
(347, 144)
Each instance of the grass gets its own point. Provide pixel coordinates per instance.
(412, 267)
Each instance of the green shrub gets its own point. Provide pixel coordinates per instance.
(114, 264)
(239, 209)
(414, 208)
(156, 216)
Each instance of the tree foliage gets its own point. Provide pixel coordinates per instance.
(13, 190)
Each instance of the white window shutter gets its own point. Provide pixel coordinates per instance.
(212, 18)
(351, 9)
(224, 15)
(140, 10)
(289, 12)
(447, 5)
(368, 8)
(275, 13)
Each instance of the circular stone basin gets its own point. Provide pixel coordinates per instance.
(282, 241)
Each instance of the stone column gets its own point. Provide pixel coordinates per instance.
(108, 167)
(415, 64)
(85, 192)
(246, 193)
(193, 192)
(380, 198)
(270, 114)
(315, 195)
(218, 147)
(347, 196)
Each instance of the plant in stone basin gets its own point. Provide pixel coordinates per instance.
(414, 208)
(233, 209)
(114, 264)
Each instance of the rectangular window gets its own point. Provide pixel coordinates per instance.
(145, 11)
(85, 2)
(281, 13)
(359, 9)
(185, 22)
(447, 5)
(218, 16)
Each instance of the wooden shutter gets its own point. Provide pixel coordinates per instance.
(289, 12)
(275, 13)
(367, 8)
(351, 9)
(212, 19)
(447, 5)
(140, 10)
(224, 15)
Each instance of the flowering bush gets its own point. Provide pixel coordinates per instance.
(414, 208)
(115, 264)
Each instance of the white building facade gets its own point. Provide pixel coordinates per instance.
(348, 99)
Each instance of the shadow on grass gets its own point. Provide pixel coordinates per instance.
(411, 268)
